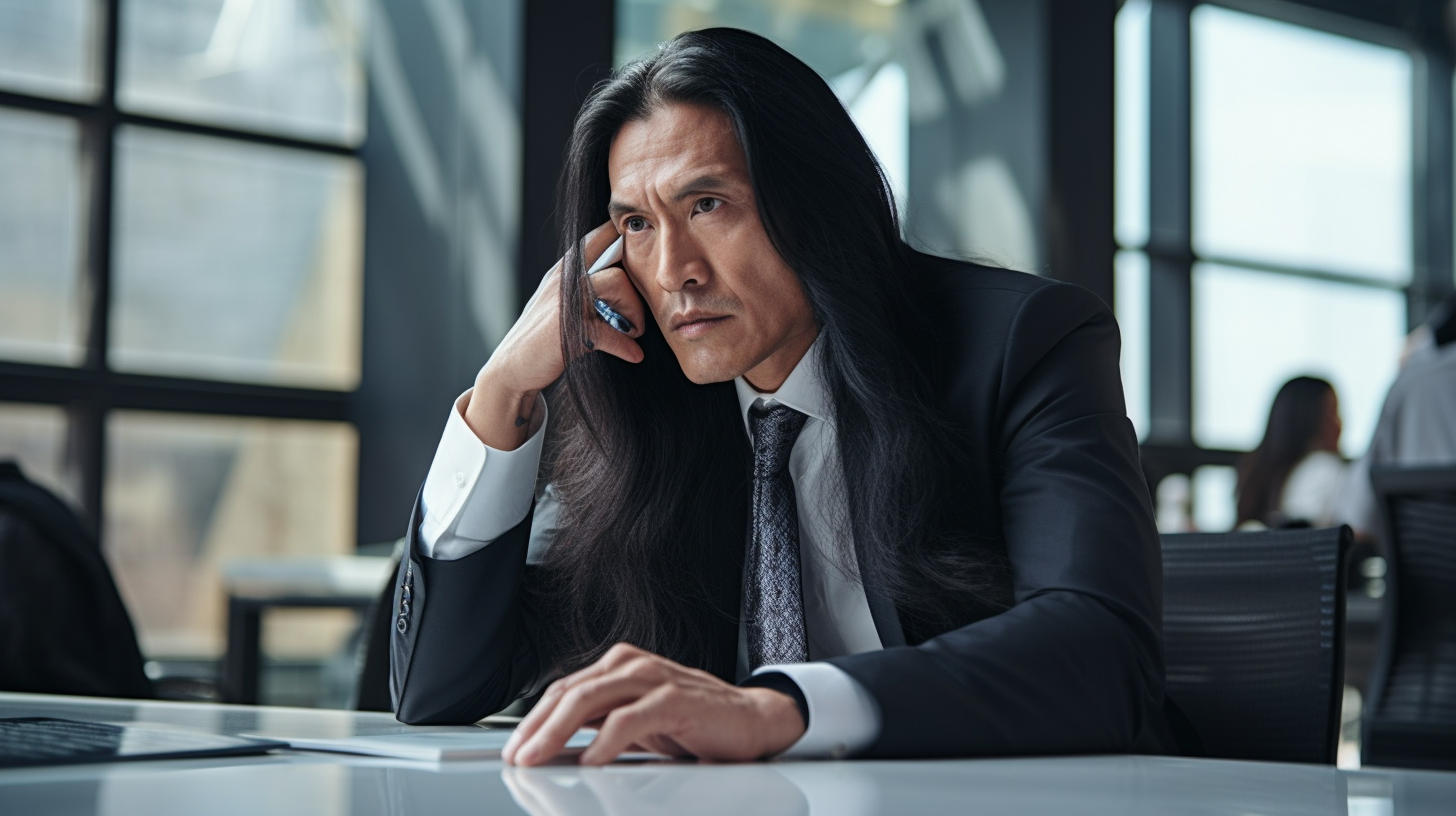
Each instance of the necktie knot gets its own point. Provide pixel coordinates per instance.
(774, 432)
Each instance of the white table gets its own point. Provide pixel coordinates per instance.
(329, 784)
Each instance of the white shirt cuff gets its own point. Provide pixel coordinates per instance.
(475, 493)
(844, 718)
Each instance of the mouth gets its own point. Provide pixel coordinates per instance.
(696, 324)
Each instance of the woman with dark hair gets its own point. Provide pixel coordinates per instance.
(949, 543)
(1296, 471)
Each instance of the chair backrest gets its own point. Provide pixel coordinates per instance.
(63, 627)
(1410, 718)
(1253, 639)
(372, 691)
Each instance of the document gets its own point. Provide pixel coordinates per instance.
(433, 745)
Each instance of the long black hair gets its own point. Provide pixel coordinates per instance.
(652, 470)
(1295, 421)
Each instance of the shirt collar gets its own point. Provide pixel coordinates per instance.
(803, 390)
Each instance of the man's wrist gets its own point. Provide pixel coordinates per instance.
(501, 418)
(844, 718)
(782, 717)
(781, 683)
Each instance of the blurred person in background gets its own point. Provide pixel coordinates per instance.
(1417, 425)
(1296, 473)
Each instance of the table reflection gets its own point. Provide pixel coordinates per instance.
(803, 789)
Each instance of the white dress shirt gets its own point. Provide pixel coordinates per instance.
(1312, 488)
(475, 493)
(1417, 428)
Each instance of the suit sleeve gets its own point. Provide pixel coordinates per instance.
(463, 638)
(1075, 665)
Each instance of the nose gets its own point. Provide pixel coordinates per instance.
(681, 263)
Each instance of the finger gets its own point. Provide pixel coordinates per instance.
(617, 293)
(603, 336)
(592, 245)
(596, 242)
(615, 287)
(654, 719)
(533, 719)
(530, 723)
(607, 339)
(586, 702)
(618, 655)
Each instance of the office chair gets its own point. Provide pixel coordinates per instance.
(372, 692)
(63, 626)
(1253, 628)
(1410, 718)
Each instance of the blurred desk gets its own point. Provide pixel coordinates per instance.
(256, 585)
(333, 785)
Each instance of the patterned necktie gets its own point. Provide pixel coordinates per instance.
(774, 601)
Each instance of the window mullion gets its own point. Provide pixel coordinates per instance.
(1170, 258)
(86, 451)
(1433, 173)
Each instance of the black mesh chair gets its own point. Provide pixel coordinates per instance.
(1253, 640)
(1410, 718)
(372, 693)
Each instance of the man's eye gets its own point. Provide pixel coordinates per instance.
(707, 205)
(636, 223)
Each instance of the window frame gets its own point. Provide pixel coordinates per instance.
(91, 391)
(1170, 446)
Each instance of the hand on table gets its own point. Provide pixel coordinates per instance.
(642, 701)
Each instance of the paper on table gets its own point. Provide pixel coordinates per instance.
(431, 746)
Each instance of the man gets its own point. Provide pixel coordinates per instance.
(1417, 424)
(895, 498)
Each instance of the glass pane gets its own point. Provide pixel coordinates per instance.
(186, 493)
(35, 437)
(236, 261)
(940, 91)
(42, 314)
(279, 66)
(879, 103)
(1132, 123)
(1301, 147)
(47, 47)
(1130, 295)
(1253, 331)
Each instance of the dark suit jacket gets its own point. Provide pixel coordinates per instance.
(1030, 371)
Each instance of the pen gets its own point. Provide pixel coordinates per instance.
(609, 315)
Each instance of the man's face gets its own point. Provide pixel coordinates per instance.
(697, 251)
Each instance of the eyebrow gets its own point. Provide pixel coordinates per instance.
(701, 184)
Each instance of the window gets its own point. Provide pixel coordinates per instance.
(1301, 190)
(187, 492)
(180, 295)
(43, 230)
(1267, 219)
(1130, 204)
